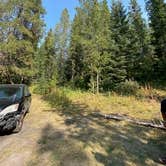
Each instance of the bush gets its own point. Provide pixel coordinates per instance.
(127, 88)
(44, 87)
(148, 92)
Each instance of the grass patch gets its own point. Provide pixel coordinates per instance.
(81, 139)
(144, 105)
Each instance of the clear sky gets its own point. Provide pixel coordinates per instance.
(54, 9)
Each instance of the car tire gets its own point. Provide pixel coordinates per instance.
(19, 124)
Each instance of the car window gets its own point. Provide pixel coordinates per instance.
(10, 92)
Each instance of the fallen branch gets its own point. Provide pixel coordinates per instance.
(154, 123)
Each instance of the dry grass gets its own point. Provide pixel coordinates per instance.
(143, 107)
(60, 131)
(87, 140)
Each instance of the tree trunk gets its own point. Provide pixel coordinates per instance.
(153, 123)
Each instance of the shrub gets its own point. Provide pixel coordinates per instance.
(148, 92)
(127, 88)
(44, 87)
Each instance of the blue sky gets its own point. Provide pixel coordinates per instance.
(54, 9)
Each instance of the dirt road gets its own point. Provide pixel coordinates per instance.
(17, 149)
(72, 137)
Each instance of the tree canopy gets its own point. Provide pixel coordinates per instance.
(99, 49)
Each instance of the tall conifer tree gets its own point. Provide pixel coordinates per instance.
(91, 43)
(76, 52)
(157, 15)
(120, 30)
(62, 32)
(140, 58)
(46, 64)
(21, 26)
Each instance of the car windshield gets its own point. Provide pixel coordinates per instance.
(10, 92)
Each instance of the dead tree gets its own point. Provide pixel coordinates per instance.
(153, 123)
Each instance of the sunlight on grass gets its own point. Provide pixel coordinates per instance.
(144, 108)
(71, 136)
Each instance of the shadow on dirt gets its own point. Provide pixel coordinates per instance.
(60, 149)
(91, 139)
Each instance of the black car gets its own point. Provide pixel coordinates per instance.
(15, 102)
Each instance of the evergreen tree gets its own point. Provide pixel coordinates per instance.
(46, 64)
(157, 15)
(106, 48)
(21, 27)
(120, 30)
(75, 64)
(62, 32)
(91, 44)
(140, 58)
(92, 59)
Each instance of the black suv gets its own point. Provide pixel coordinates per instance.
(15, 102)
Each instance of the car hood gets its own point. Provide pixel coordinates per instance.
(5, 102)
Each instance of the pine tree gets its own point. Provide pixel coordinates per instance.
(46, 64)
(80, 45)
(62, 32)
(76, 51)
(92, 58)
(91, 45)
(157, 15)
(21, 27)
(120, 29)
(106, 46)
(140, 57)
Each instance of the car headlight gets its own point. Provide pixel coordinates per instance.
(9, 109)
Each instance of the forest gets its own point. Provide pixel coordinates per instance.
(107, 60)
(102, 49)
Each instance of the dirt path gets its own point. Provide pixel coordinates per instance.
(17, 149)
(71, 137)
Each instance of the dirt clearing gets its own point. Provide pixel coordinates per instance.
(71, 136)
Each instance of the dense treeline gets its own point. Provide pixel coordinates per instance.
(101, 48)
